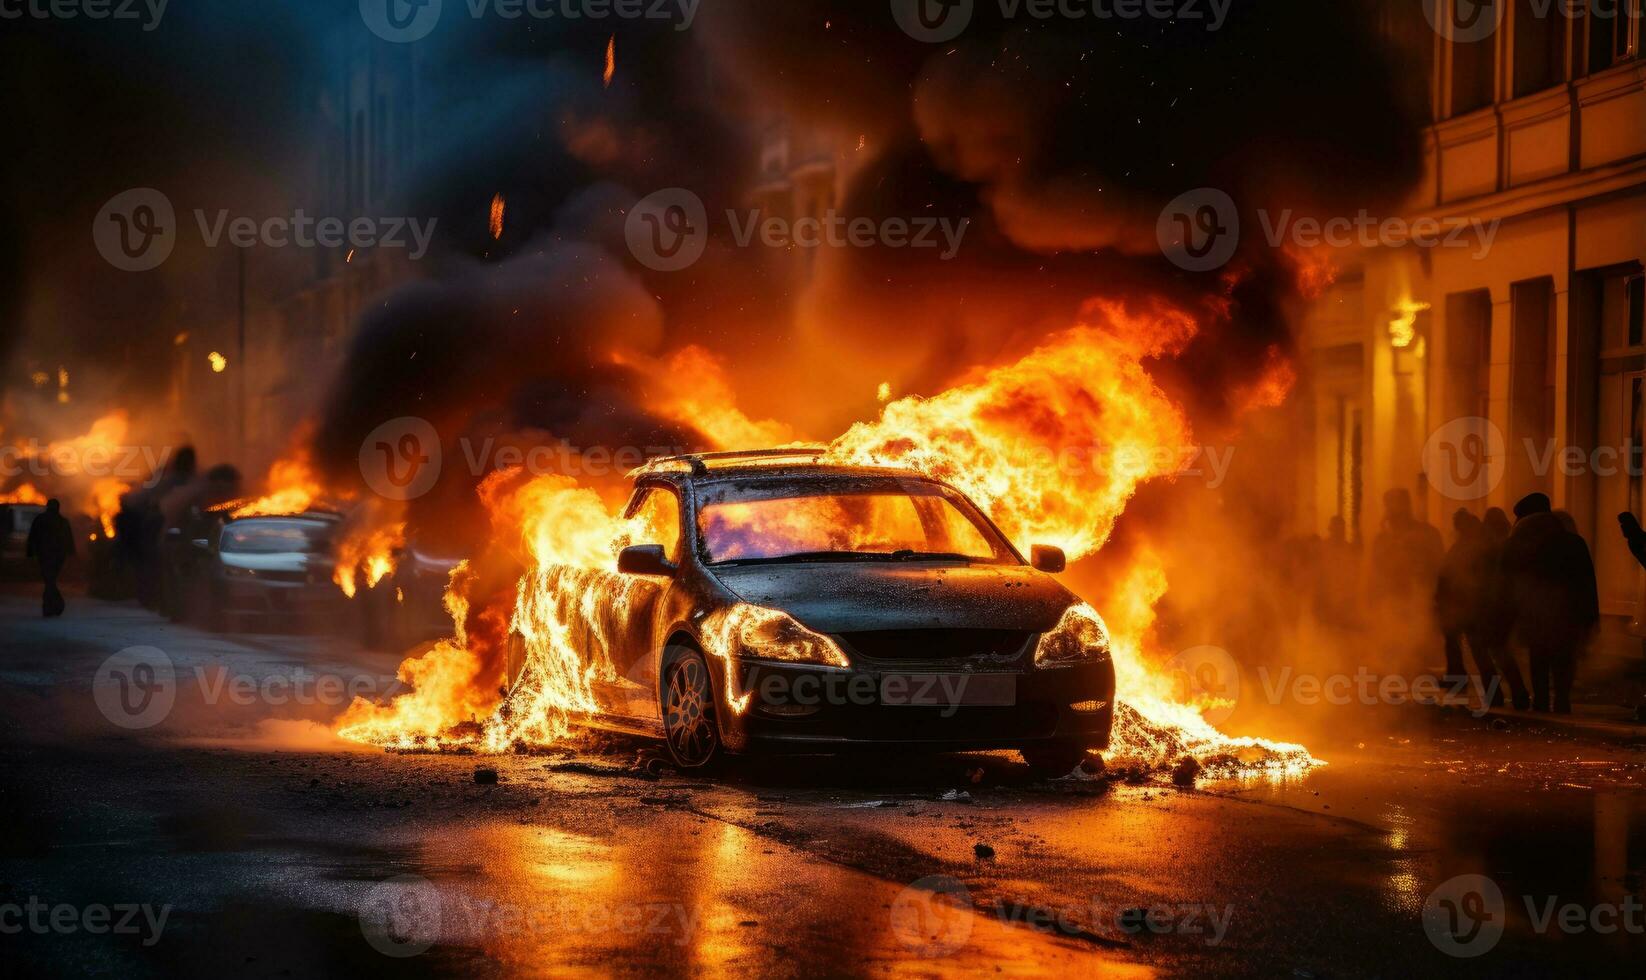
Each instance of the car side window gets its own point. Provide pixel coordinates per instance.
(657, 521)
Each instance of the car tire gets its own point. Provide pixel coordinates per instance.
(1050, 760)
(691, 723)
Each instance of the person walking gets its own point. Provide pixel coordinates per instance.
(51, 543)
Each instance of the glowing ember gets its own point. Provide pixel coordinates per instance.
(611, 60)
(218, 362)
(497, 216)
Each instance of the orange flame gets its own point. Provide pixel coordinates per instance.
(23, 493)
(611, 61)
(292, 488)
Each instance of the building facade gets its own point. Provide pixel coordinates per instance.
(1473, 372)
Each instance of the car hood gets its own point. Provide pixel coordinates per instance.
(841, 597)
(281, 561)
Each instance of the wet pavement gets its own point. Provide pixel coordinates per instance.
(238, 837)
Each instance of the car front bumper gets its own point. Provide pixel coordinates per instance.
(773, 707)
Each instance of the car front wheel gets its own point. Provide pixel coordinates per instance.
(689, 720)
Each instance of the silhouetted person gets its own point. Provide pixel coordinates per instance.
(1492, 620)
(1338, 585)
(51, 543)
(1551, 582)
(1634, 536)
(1406, 556)
(1457, 593)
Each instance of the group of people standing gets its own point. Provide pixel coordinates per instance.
(1502, 589)
(1530, 587)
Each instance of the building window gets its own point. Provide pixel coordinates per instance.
(1474, 63)
(1531, 383)
(1540, 47)
(1614, 32)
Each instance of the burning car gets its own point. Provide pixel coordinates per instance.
(782, 603)
(272, 568)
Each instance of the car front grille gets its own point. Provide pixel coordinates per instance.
(998, 648)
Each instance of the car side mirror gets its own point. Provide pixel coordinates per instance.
(644, 559)
(1048, 558)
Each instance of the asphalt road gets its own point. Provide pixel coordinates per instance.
(235, 836)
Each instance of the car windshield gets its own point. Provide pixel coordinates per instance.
(276, 537)
(868, 520)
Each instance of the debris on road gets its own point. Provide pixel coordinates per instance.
(956, 796)
(983, 851)
(485, 777)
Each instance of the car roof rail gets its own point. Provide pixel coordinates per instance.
(699, 462)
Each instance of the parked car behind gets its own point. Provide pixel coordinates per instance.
(276, 571)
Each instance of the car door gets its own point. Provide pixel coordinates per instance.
(654, 513)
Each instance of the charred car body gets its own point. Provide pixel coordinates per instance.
(781, 604)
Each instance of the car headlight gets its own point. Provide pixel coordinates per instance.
(1078, 638)
(748, 630)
